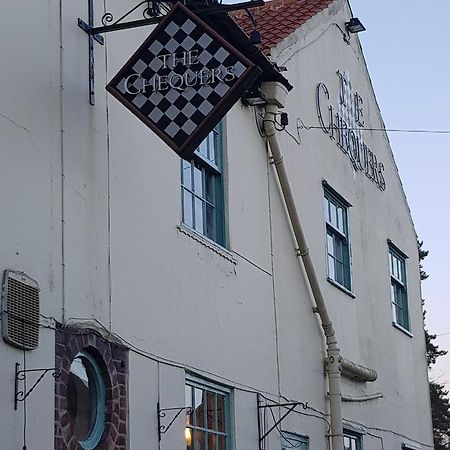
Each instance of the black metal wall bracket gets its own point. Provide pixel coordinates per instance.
(162, 429)
(21, 375)
(290, 406)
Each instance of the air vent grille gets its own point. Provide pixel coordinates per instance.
(20, 310)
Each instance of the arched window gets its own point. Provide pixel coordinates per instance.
(86, 400)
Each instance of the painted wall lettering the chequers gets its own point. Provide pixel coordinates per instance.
(344, 125)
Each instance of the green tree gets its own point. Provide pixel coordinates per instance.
(440, 405)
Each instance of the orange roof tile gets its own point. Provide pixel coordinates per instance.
(277, 19)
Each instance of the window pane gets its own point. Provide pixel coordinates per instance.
(339, 269)
(333, 214)
(338, 249)
(346, 442)
(187, 208)
(198, 208)
(210, 184)
(212, 441)
(188, 396)
(211, 410)
(211, 147)
(203, 148)
(199, 440)
(222, 442)
(210, 222)
(330, 244)
(198, 181)
(220, 413)
(188, 403)
(186, 178)
(351, 442)
(397, 314)
(217, 146)
(405, 321)
(340, 219)
(331, 271)
(402, 274)
(199, 408)
(326, 209)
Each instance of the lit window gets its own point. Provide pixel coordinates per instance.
(338, 252)
(207, 420)
(291, 440)
(86, 400)
(202, 189)
(399, 296)
(352, 441)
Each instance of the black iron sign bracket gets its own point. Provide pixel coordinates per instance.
(152, 11)
(162, 429)
(20, 394)
(262, 406)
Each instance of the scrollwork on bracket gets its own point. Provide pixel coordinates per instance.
(151, 10)
(107, 19)
(21, 375)
(162, 429)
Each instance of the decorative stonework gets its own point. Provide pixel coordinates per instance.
(112, 360)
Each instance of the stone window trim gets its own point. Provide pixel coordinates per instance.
(112, 359)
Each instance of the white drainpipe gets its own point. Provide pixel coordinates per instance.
(275, 94)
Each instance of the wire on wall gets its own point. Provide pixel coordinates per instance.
(302, 126)
(25, 399)
(161, 360)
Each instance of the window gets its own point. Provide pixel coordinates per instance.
(207, 421)
(86, 400)
(399, 296)
(352, 441)
(291, 440)
(202, 189)
(338, 252)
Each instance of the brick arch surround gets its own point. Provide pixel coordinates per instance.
(113, 362)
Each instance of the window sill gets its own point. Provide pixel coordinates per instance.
(206, 242)
(404, 330)
(340, 287)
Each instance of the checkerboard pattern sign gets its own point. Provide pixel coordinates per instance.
(183, 80)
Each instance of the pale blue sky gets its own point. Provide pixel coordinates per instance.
(407, 50)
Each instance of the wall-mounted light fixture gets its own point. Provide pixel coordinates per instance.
(354, 25)
(188, 436)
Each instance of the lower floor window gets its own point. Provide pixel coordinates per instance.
(91, 391)
(352, 441)
(292, 440)
(86, 400)
(207, 419)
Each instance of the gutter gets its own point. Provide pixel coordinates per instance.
(275, 93)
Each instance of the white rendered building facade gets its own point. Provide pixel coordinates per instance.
(171, 286)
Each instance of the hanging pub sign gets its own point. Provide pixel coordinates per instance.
(183, 80)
